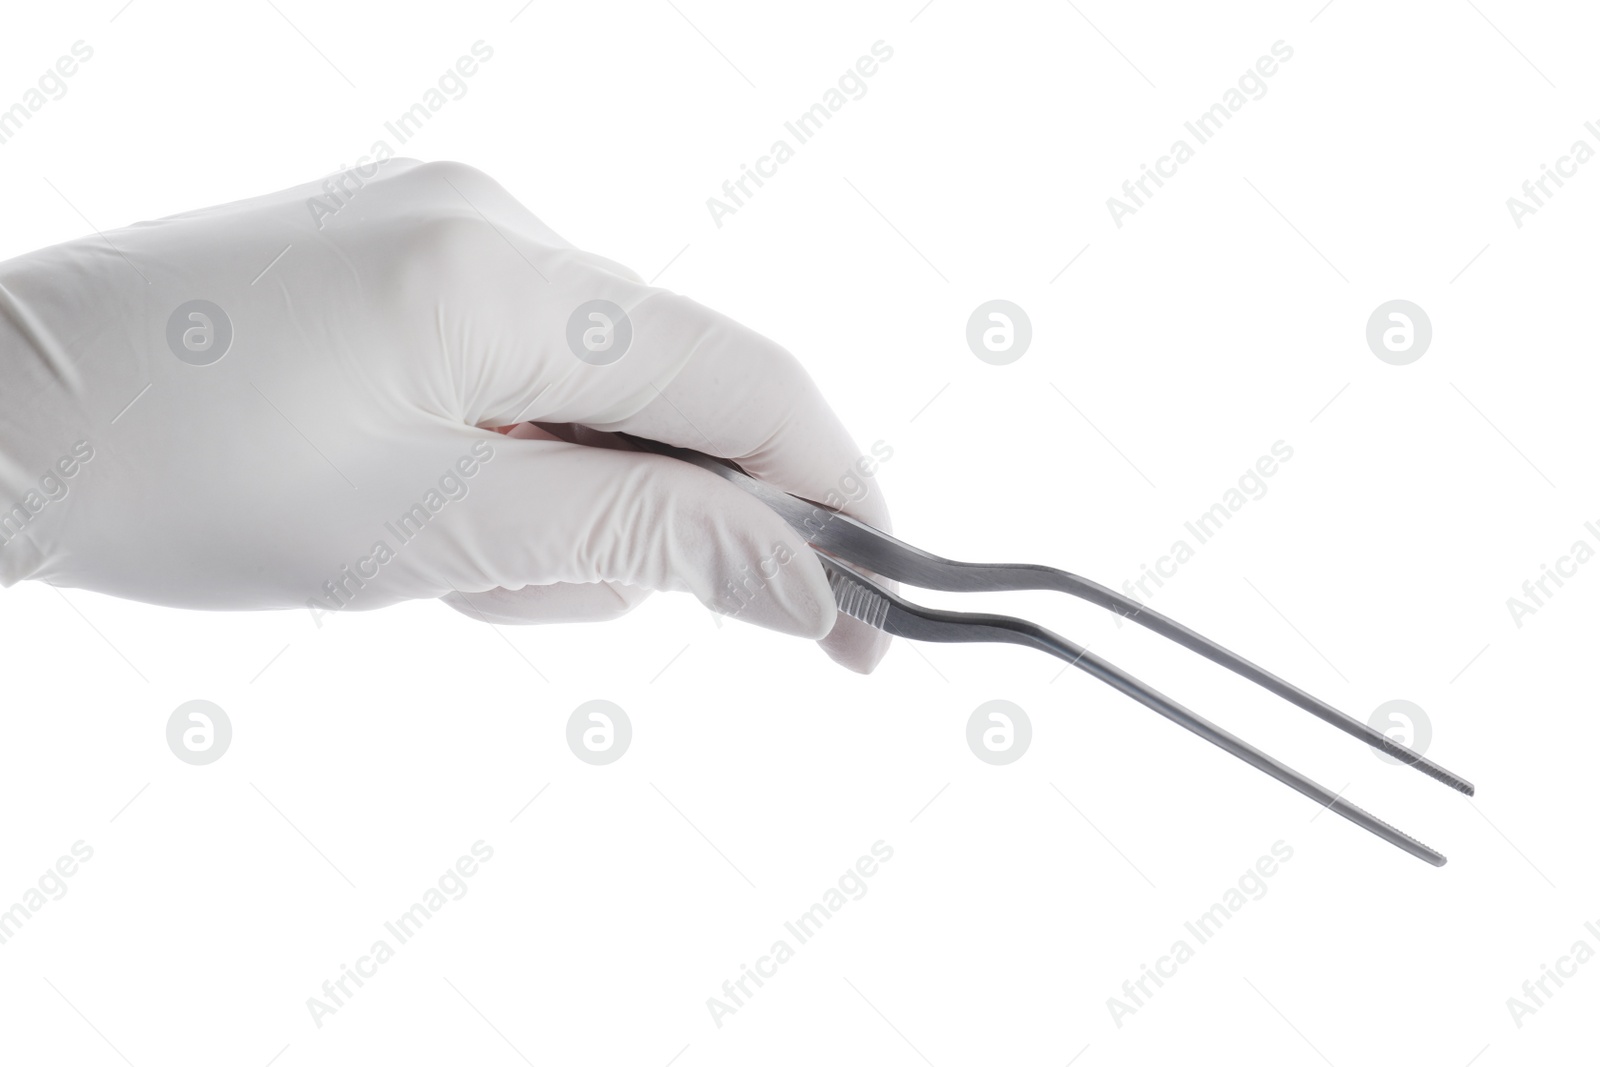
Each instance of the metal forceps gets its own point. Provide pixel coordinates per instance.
(845, 544)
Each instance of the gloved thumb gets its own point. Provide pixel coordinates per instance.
(546, 512)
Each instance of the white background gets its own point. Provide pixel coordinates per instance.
(1226, 315)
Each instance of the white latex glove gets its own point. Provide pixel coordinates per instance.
(377, 344)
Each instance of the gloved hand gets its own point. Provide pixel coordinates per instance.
(292, 402)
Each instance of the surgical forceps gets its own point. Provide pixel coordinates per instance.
(845, 544)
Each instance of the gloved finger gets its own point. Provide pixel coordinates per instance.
(723, 389)
(851, 643)
(694, 378)
(556, 602)
(550, 515)
(671, 369)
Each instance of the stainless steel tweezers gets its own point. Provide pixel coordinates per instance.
(845, 544)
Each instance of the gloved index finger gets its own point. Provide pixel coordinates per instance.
(587, 342)
(708, 383)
